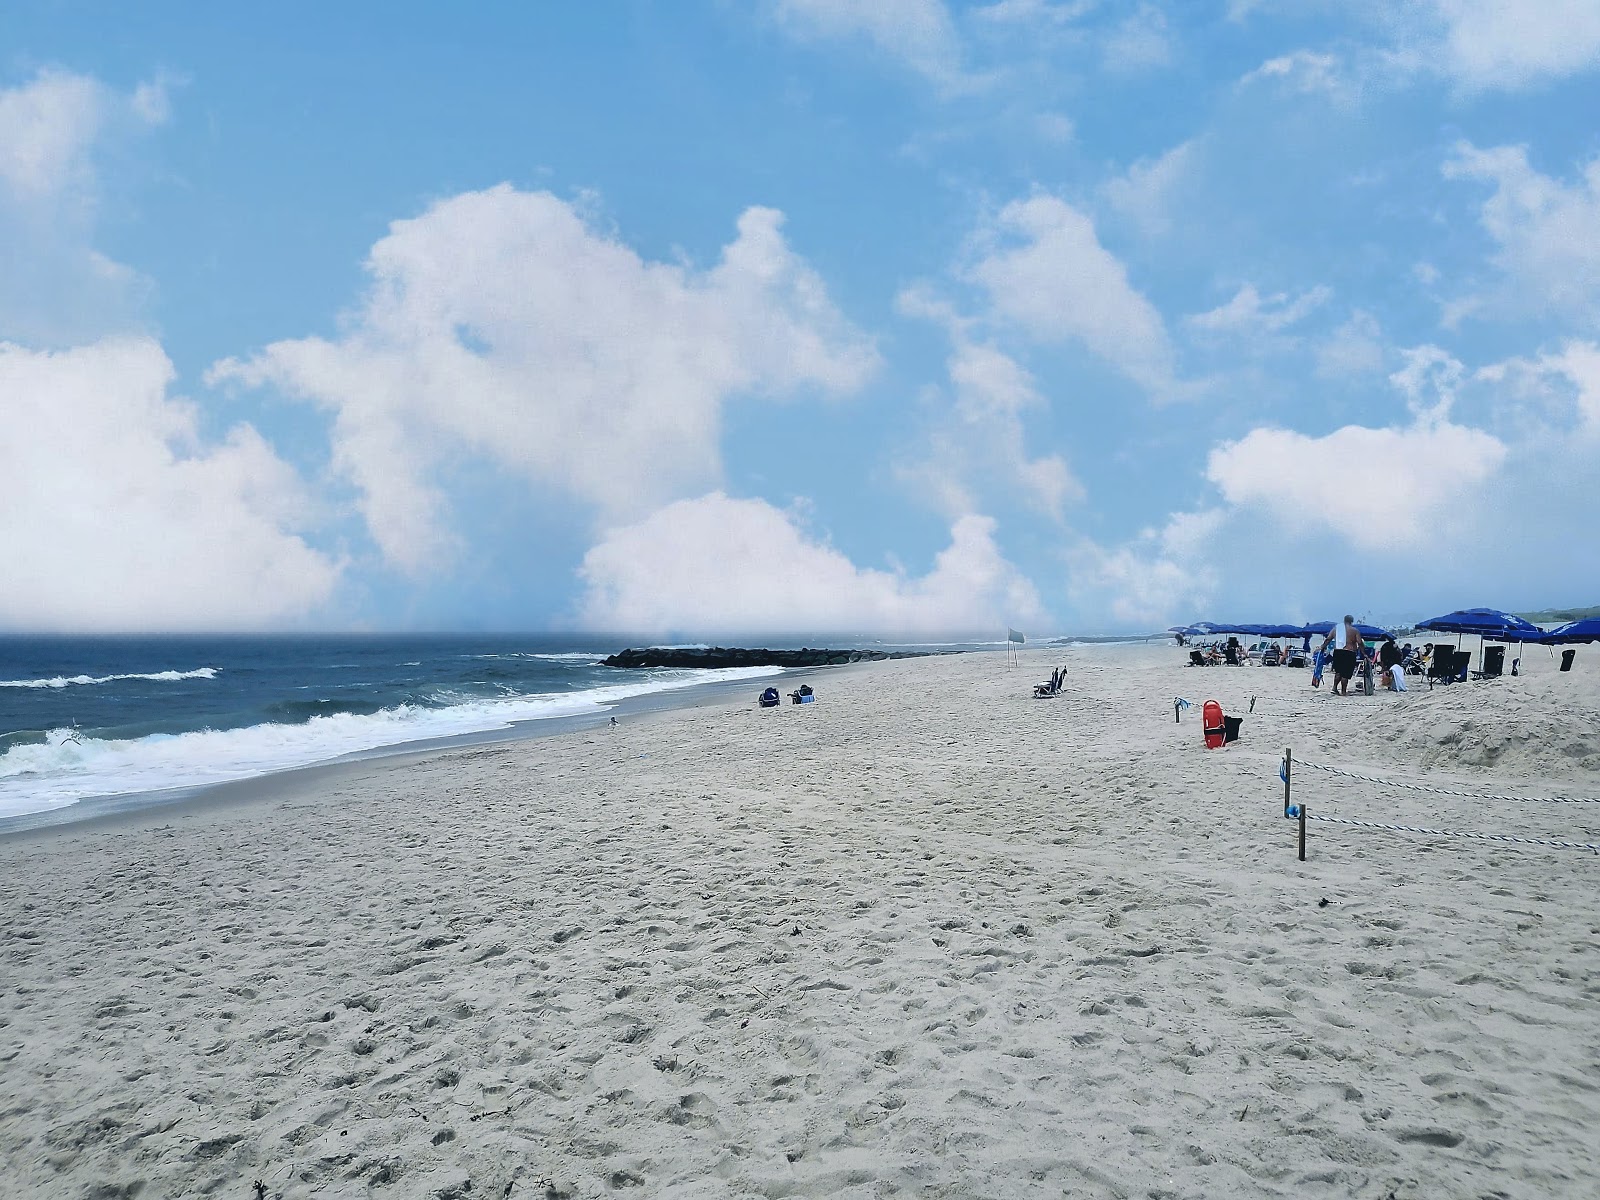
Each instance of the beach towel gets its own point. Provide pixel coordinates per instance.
(1399, 677)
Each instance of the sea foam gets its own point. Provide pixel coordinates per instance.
(61, 681)
(68, 766)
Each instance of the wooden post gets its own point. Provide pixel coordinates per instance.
(1302, 833)
(1288, 774)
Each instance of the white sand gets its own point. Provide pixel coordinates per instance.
(926, 936)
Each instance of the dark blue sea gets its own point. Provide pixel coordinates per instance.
(84, 718)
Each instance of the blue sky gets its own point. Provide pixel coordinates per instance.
(904, 317)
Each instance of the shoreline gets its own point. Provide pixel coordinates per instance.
(133, 809)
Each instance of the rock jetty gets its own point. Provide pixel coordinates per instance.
(733, 656)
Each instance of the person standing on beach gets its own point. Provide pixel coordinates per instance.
(1344, 658)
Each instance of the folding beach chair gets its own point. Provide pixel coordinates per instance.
(1494, 663)
(1442, 667)
(1196, 659)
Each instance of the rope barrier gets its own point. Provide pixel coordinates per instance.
(1593, 847)
(1419, 787)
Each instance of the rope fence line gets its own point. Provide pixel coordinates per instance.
(1299, 812)
(1438, 791)
(1593, 847)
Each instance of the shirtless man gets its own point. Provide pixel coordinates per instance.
(1344, 658)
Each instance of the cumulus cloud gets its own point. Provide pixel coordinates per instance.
(1145, 195)
(1375, 487)
(46, 129)
(56, 288)
(1046, 271)
(1160, 573)
(1548, 231)
(978, 432)
(727, 565)
(502, 326)
(919, 33)
(1511, 44)
(1566, 383)
(118, 515)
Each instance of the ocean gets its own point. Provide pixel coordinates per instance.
(85, 718)
(139, 719)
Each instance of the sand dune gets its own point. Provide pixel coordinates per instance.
(926, 936)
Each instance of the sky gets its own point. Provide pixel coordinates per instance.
(912, 317)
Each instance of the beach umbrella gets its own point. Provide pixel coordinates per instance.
(1280, 631)
(1486, 623)
(1320, 628)
(1586, 630)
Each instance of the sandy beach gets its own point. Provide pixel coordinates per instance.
(927, 936)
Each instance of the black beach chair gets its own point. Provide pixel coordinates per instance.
(1196, 659)
(1494, 663)
(1442, 667)
(1566, 658)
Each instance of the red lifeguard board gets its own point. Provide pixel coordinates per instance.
(1211, 722)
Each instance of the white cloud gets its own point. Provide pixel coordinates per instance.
(918, 32)
(1034, 12)
(981, 436)
(1377, 488)
(1304, 71)
(55, 287)
(1161, 573)
(978, 432)
(1046, 271)
(717, 563)
(501, 326)
(1139, 42)
(1548, 232)
(46, 129)
(1568, 382)
(1355, 348)
(1145, 194)
(1511, 44)
(119, 516)
(1249, 315)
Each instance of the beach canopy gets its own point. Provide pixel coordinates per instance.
(1486, 623)
(1320, 628)
(1586, 630)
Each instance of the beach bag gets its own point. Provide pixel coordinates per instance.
(1216, 730)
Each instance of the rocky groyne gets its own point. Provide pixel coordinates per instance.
(733, 656)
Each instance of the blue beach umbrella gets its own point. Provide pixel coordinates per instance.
(1487, 623)
(1586, 630)
(1320, 628)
